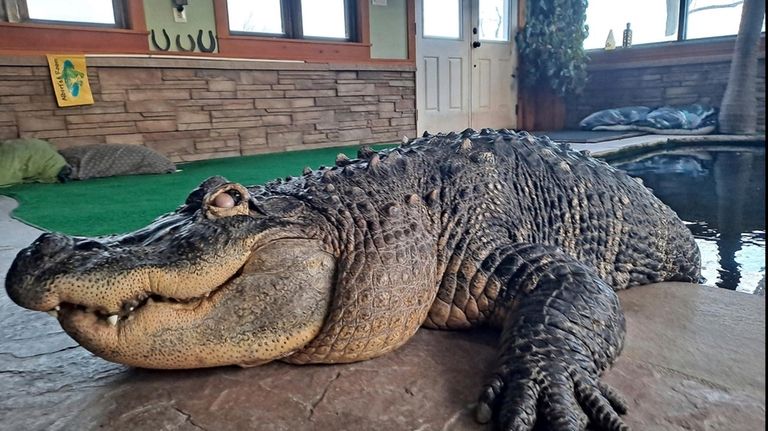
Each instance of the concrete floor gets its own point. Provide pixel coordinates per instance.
(694, 360)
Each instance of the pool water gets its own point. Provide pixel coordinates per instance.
(719, 191)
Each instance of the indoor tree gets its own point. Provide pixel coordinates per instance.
(738, 110)
(552, 61)
(551, 46)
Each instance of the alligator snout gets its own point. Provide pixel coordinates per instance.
(32, 279)
(25, 280)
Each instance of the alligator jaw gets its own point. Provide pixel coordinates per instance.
(94, 328)
(109, 292)
(129, 308)
(225, 279)
(273, 304)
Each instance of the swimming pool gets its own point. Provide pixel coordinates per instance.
(719, 191)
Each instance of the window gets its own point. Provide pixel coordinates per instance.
(661, 20)
(295, 19)
(323, 18)
(442, 19)
(650, 21)
(494, 20)
(244, 17)
(710, 18)
(84, 12)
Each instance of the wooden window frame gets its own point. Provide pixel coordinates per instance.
(22, 16)
(73, 37)
(275, 47)
(25, 38)
(293, 28)
(682, 32)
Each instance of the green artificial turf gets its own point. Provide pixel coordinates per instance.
(112, 205)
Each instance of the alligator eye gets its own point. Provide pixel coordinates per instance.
(224, 200)
(228, 199)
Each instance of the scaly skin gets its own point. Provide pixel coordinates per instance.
(346, 263)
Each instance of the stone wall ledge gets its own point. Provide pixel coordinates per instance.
(721, 58)
(193, 62)
(645, 144)
(695, 51)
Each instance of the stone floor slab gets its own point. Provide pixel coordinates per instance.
(694, 360)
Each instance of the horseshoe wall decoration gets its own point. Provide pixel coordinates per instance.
(201, 45)
(167, 41)
(191, 42)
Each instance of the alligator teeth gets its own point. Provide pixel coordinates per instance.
(54, 313)
(57, 308)
(112, 319)
(207, 294)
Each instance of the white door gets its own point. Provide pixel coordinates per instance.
(465, 64)
(442, 65)
(494, 60)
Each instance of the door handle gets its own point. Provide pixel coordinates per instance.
(476, 44)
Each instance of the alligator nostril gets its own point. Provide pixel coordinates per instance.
(89, 244)
(50, 244)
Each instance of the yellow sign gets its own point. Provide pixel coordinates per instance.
(70, 80)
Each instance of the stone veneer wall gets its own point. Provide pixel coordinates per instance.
(656, 85)
(199, 109)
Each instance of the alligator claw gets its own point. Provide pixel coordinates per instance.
(544, 391)
(614, 398)
(602, 403)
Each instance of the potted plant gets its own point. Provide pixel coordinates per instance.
(553, 63)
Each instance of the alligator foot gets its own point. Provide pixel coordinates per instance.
(539, 390)
(562, 330)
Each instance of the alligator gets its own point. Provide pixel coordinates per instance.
(345, 263)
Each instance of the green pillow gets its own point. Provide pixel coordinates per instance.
(26, 160)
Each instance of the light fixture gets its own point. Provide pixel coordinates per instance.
(179, 4)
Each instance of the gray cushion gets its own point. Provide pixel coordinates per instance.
(105, 160)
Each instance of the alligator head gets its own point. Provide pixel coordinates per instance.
(228, 278)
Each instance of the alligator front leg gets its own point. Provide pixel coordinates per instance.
(563, 327)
